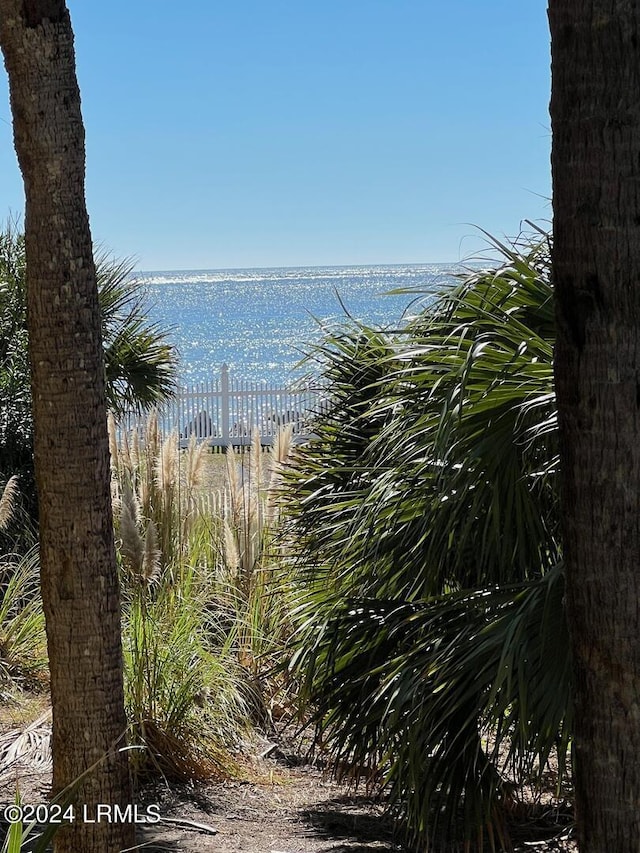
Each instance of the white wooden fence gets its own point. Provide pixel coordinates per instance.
(226, 411)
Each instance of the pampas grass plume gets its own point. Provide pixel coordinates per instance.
(134, 457)
(231, 551)
(8, 501)
(166, 463)
(195, 462)
(132, 546)
(235, 486)
(113, 441)
(150, 571)
(282, 444)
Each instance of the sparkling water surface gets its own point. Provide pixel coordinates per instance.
(262, 321)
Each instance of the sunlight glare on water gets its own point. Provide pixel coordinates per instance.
(260, 322)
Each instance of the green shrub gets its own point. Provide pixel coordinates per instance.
(431, 642)
(182, 685)
(23, 648)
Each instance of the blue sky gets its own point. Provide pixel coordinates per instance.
(297, 132)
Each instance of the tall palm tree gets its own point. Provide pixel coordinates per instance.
(78, 569)
(595, 116)
(432, 641)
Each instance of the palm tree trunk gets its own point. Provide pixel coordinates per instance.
(79, 578)
(595, 112)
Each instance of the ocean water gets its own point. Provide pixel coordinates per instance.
(261, 322)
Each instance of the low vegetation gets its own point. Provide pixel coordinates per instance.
(201, 620)
(432, 648)
(397, 581)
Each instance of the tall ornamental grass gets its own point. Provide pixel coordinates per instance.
(23, 645)
(203, 598)
(23, 651)
(254, 579)
(182, 682)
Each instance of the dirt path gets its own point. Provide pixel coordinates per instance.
(300, 813)
(289, 807)
(290, 810)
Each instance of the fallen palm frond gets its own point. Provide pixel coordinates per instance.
(30, 745)
(36, 835)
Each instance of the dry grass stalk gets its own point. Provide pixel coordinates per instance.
(176, 757)
(282, 445)
(280, 456)
(152, 435)
(166, 464)
(255, 462)
(134, 459)
(144, 494)
(130, 499)
(9, 501)
(235, 486)
(113, 442)
(231, 552)
(125, 454)
(132, 545)
(192, 506)
(195, 463)
(150, 572)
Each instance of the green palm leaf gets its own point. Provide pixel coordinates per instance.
(140, 363)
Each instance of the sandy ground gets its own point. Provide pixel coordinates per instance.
(290, 810)
(289, 807)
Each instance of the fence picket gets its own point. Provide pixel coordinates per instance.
(225, 411)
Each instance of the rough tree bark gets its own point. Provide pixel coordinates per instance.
(595, 112)
(79, 578)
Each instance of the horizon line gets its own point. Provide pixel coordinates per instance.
(470, 261)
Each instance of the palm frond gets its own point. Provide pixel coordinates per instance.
(429, 551)
(140, 362)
